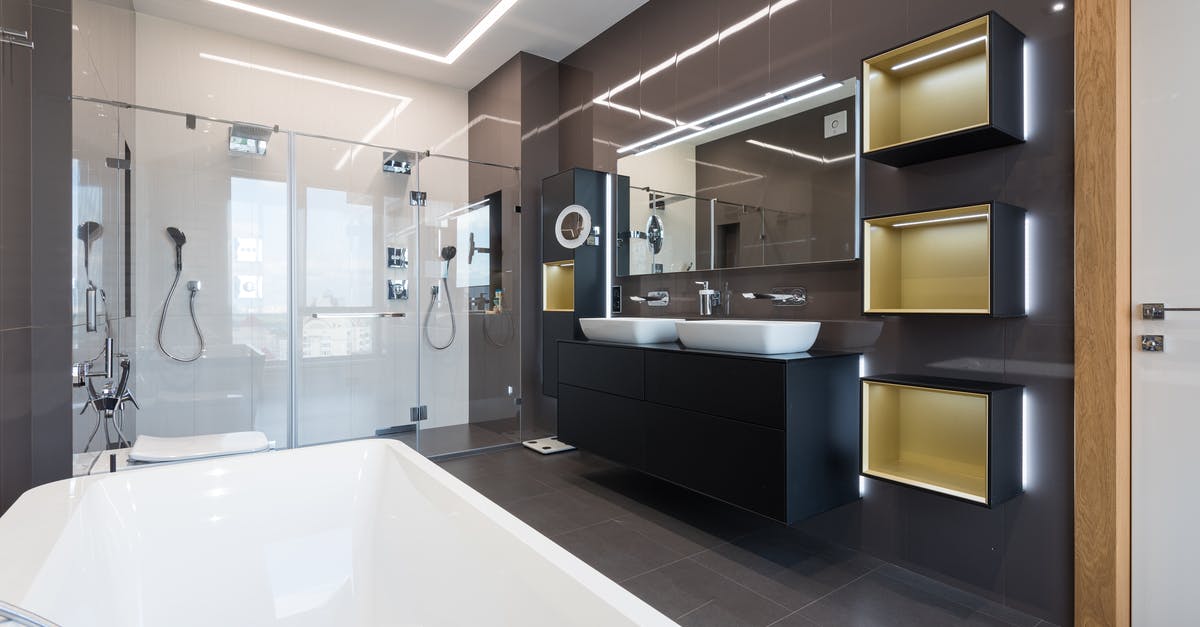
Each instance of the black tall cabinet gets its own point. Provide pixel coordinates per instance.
(573, 279)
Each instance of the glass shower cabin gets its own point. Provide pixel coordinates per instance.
(311, 288)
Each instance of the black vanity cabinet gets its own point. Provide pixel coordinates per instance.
(775, 434)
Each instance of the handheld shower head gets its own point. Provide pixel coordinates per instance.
(88, 233)
(448, 253)
(180, 239)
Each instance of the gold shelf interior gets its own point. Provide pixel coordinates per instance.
(558, 285)
(935, 95)
(929, 438)
(930, 262)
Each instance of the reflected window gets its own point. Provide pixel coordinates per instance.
(338, 250)
(258, 265)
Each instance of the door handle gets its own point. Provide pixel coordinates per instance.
(1158, 311)
(375, 314)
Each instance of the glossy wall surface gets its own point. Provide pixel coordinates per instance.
(1019, 553)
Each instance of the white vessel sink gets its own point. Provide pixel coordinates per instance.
(763, 337)
(630, 330)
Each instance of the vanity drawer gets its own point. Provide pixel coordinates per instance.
(737, 462)
(611, 426)
(748, 390)
(602, 368)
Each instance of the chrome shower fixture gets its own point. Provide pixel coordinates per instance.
(249, 139)
(193, 287)
(447, 253)
(398, 162)
(88, 233)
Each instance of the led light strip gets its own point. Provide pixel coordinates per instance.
(461, 47)
(934, 55)
(974, 216)
(743, 118)
(797, 153)
(734, 109)
(305, 77)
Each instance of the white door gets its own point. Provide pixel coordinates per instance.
(1166, 269)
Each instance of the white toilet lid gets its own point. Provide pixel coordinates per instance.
(148, 448)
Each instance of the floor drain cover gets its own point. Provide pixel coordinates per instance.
(548, 446)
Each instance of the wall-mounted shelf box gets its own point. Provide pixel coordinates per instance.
(954, 92)
(959, 261)
(558, 285)
(953, 437)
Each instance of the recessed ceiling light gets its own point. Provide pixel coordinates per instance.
(304, 77)
(457, 51)
(1058, 6)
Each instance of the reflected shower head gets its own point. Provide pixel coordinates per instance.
(88, 233)
(448, 253)
(180, 239)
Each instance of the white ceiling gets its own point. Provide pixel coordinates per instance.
(548, 28)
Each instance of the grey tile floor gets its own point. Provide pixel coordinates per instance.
(702, 562)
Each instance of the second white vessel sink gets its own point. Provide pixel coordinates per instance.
(630, 330)
(762, 337)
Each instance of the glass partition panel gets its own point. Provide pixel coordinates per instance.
(210, 231)
(356, 299)
(469, 265)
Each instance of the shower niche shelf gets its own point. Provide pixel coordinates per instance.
(954, 92)
(948, 436)
(966, 260)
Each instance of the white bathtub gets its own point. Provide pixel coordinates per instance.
(358, 533)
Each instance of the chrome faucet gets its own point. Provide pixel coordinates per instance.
(793, 296)
(709, 299)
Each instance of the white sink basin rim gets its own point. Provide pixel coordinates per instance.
(761, 337)
(630, 330)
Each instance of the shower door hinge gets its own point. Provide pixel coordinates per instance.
(416, 199)
(117, 164)
(418, 413)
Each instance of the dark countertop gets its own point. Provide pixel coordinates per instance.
(676, 347)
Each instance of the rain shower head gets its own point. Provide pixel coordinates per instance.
(180, 239)
(249, 139)
(88, 233)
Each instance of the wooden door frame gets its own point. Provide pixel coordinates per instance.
(1102, 312)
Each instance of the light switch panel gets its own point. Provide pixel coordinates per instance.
(835, 124)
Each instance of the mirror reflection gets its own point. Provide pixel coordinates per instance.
(780, 187)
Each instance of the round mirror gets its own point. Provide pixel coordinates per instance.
(573, 226)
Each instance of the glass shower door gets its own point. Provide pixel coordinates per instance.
(355, 294)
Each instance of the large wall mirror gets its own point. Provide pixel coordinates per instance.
(780, 187)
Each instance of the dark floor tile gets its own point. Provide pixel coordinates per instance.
(508, 487)
(562, 510)
(616, 550)
(877, 600)
(959, 596)
(685, 588)
(787, 566)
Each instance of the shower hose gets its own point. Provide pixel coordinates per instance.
(162, 321)
(429, 319)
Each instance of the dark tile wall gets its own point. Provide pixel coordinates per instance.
(523, 91)
(1020, 552)
(35, 212)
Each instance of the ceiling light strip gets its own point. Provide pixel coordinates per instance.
(752, 114)
(486, 22)
(797, 153)
(934, 55)
(304, 77)
(734, 109)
